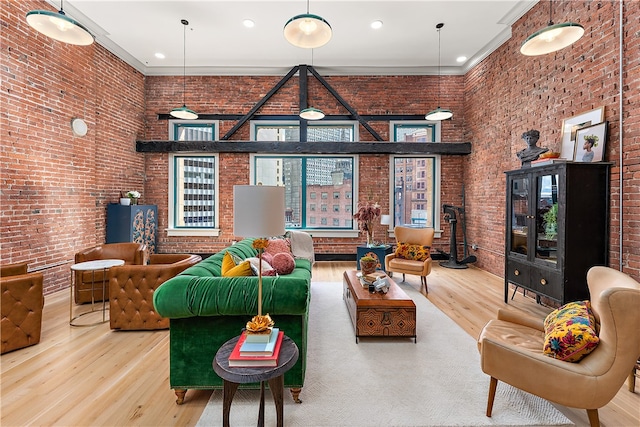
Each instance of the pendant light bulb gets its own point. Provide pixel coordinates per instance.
(307, 30)
(183, 112)
(311, 114)
(58, 26)
(439, 114)
(552, 38)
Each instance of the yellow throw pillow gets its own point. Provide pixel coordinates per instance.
(413, 252)
(242, 269)
(570, 332)
(227, 263)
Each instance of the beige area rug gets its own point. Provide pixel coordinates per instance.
(388, 381)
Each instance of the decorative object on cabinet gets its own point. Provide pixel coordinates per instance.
(551, 256)
(571, 125)
(134, 196)
(366, 215)
(532, 152)
(135, 223)
(590, 143)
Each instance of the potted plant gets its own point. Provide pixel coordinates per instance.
(368, 264)
(550, 219)
(133, 196)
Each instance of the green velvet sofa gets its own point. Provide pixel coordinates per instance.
(206, 310)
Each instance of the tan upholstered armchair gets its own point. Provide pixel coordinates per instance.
(131, 253)
(131, 290)
(413, 236)
(22, 303)
(511, 349)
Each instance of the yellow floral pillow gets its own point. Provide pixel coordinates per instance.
(414, 252)
(230, 269)
(570, 332)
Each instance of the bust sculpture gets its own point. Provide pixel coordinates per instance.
(532, 152)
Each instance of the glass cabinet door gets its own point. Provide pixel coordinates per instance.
(547, 218)
(520, 212)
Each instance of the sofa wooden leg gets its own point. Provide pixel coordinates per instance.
(593, 417)
(180, 395)
(492, 394)
(295, 393)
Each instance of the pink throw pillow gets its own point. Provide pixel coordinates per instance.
(277, 246)
(283, 263)
(267, 257)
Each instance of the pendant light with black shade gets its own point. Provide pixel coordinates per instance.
(439, 113)
(307, 30)
(183, 112)
(552, 38)
(59, 26)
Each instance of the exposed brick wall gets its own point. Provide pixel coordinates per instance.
(55, 186)
(237, 95)
(508, 94)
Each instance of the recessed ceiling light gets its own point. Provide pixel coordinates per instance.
(248, 23)
(159, 55)
(461, 58)
(376, 24)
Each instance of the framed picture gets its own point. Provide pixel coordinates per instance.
(590, 143)
(570, 127)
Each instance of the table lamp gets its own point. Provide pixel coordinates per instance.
(385, 220)
(258, 211)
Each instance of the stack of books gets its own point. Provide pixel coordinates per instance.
(255, 350)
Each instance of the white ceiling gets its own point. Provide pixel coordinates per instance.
(217, 43)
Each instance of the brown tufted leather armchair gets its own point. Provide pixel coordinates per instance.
(131, 290)
(414, 236)
(511, 349)
(22, 303)
(131, 253)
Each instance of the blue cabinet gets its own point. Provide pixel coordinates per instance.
(134, 223)
(377, 252)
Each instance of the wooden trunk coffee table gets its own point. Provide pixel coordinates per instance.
(378, 315)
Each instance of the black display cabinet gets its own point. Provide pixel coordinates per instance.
(557, 227)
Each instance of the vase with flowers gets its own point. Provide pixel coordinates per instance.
(133, 196)
(366, 215)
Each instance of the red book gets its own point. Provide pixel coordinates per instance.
(238, 361)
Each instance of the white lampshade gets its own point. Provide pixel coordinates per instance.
(258, 210)
(308, 31)
(385, 219)
(311, 114)
(552, 38)
(59, 27)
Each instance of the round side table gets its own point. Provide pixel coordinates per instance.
(93, 266)
(232, 377)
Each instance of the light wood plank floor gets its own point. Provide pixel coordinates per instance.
(97, 377)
